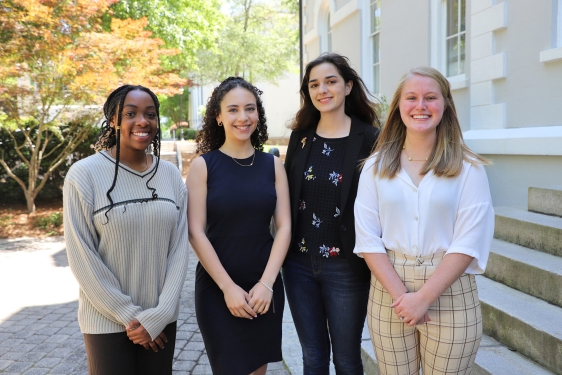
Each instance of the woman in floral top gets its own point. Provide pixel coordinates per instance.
(327, 285)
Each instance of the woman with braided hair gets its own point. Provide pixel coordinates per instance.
(126, 238)
(234, 190)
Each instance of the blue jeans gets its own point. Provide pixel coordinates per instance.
(328, 304)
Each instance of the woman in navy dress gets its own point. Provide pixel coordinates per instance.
(234, 190)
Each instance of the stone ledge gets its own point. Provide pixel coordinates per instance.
(543, 140)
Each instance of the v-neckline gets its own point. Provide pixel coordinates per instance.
(406, 177)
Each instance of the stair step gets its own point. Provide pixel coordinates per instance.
(546, 200)
(167, 146)
(525, 323)
(529, 229)
(530, 271)
(169, 156)
(493, 358)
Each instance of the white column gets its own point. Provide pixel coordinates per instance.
(486, 66)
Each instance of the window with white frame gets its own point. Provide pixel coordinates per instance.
(455, 37)
(375, 14)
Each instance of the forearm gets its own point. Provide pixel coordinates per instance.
(210, 260)
(447, 272)
(382, 269)
(277, 256)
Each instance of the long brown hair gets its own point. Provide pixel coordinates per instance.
(357, 103)
(449, 150)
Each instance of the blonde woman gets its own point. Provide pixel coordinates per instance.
(424, 222)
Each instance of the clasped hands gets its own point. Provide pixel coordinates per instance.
(247, 305)
(411, 308)
(139, 335)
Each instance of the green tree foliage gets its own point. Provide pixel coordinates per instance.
(259, 42)
(188, 25)
(57, 65)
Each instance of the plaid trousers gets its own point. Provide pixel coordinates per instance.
(445, 345)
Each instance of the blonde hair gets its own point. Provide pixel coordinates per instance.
(449, 150)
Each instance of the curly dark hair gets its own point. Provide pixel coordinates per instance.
(212, 136)
(110, 137)
(357, 103)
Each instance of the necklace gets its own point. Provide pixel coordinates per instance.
(410, 158)
(111, 153)
(242, 165)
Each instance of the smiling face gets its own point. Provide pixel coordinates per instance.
(238, 114)
(327, 88)
(139, 121)
(421, 104)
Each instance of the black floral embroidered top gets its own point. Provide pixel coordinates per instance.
(318, 218)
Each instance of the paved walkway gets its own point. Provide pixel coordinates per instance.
(39, 332)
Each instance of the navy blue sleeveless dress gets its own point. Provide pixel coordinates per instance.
(240, 204)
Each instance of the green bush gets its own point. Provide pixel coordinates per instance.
(11, 191)
(54, 220)
(187, 134)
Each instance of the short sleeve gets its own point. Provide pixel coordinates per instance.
(368, 229)
(474, 223)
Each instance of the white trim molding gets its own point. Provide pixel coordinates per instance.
(542, 140)
(551, 55)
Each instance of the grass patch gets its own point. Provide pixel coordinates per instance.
(48, 222)
(6, 219)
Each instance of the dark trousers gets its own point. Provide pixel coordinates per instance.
(115, 354)
(328, 304)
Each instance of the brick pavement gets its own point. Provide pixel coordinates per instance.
(39, 332)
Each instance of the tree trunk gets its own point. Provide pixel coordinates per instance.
(30, 199)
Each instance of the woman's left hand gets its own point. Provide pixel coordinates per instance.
(260, 298)
(411, 308)
(139, 335)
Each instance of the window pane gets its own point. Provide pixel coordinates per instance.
(452, 57)
(452, 17)
(463, 15)
(461, 53)
(376, 49)
(375, 16)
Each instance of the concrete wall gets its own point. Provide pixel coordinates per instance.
(345, 45)
(532, 89)
(281, 102)
(404, 40)
(511, 176)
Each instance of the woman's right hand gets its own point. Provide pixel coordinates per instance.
(237, 300)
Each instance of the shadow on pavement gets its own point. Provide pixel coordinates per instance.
(60, 259)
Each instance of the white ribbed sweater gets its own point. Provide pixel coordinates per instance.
(131, 264)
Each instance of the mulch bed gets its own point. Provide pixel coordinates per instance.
(45, 222)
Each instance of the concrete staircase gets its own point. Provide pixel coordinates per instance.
(520, 293)
(168, 152)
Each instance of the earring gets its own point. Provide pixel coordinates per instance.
(220, 123)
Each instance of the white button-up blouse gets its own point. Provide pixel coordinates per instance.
(452, 215)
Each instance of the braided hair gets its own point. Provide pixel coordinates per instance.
(212, 136)
(111, 135)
